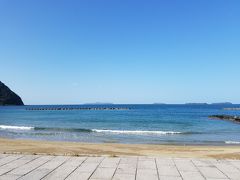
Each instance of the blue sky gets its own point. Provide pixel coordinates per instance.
(121, 51)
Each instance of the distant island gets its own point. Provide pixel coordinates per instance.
(8, 97)
(196, 103)
(99, 103)
(220, 103)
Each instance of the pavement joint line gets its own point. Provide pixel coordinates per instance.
(156, 168)
(96, 168)
(198, 169)
(55, 167)
(76, 168)
(116, 168)
(177, 168)
(136, 168)
(21, 165)
(36, 167)
(12, 161)
(222, 172)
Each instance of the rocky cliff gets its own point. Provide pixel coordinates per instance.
(8, 97)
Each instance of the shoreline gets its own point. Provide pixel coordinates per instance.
(18, 146)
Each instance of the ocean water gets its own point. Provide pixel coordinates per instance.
(148, 124)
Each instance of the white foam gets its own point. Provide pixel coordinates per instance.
(16, 127)
(232, 142)
(135, 132)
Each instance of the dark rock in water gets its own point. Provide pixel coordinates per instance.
(8, 97)
(226, 117)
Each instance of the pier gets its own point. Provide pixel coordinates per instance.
(75, 108)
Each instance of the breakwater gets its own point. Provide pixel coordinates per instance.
(75, 108)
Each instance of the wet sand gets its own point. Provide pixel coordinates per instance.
(111, 149)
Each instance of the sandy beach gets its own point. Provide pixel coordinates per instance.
(110, 149)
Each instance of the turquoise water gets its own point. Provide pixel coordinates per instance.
(151, 124)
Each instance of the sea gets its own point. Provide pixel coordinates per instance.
(137, 124)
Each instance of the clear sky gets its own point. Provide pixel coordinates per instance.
(121, 51)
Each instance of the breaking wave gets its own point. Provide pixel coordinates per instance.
(134, 132)
(232, 142)
(130, 132)
(16, 127)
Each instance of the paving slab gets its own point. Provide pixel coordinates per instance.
(126, 169)
(65, 169)
(94, 159)
(146, 164)
(9, 177)
(15, 164)
(169, 178)
(215, 179)
(202, 162)
(129, 160)
(9, 159)
(88, 167)
(3, 155)
(229, 170)
(168, 170)
(191, 175)
(36, 167)
(185, 165)
(109, 162)
(45, 169)
(79, 175)
(22, 170)
(147, 174)
(165, 161)
(145, 158)
(212, 172)
(103, 173)
(123, 177)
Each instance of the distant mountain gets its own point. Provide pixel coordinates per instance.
(99, 103)
(8, 97)
(196, 103)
